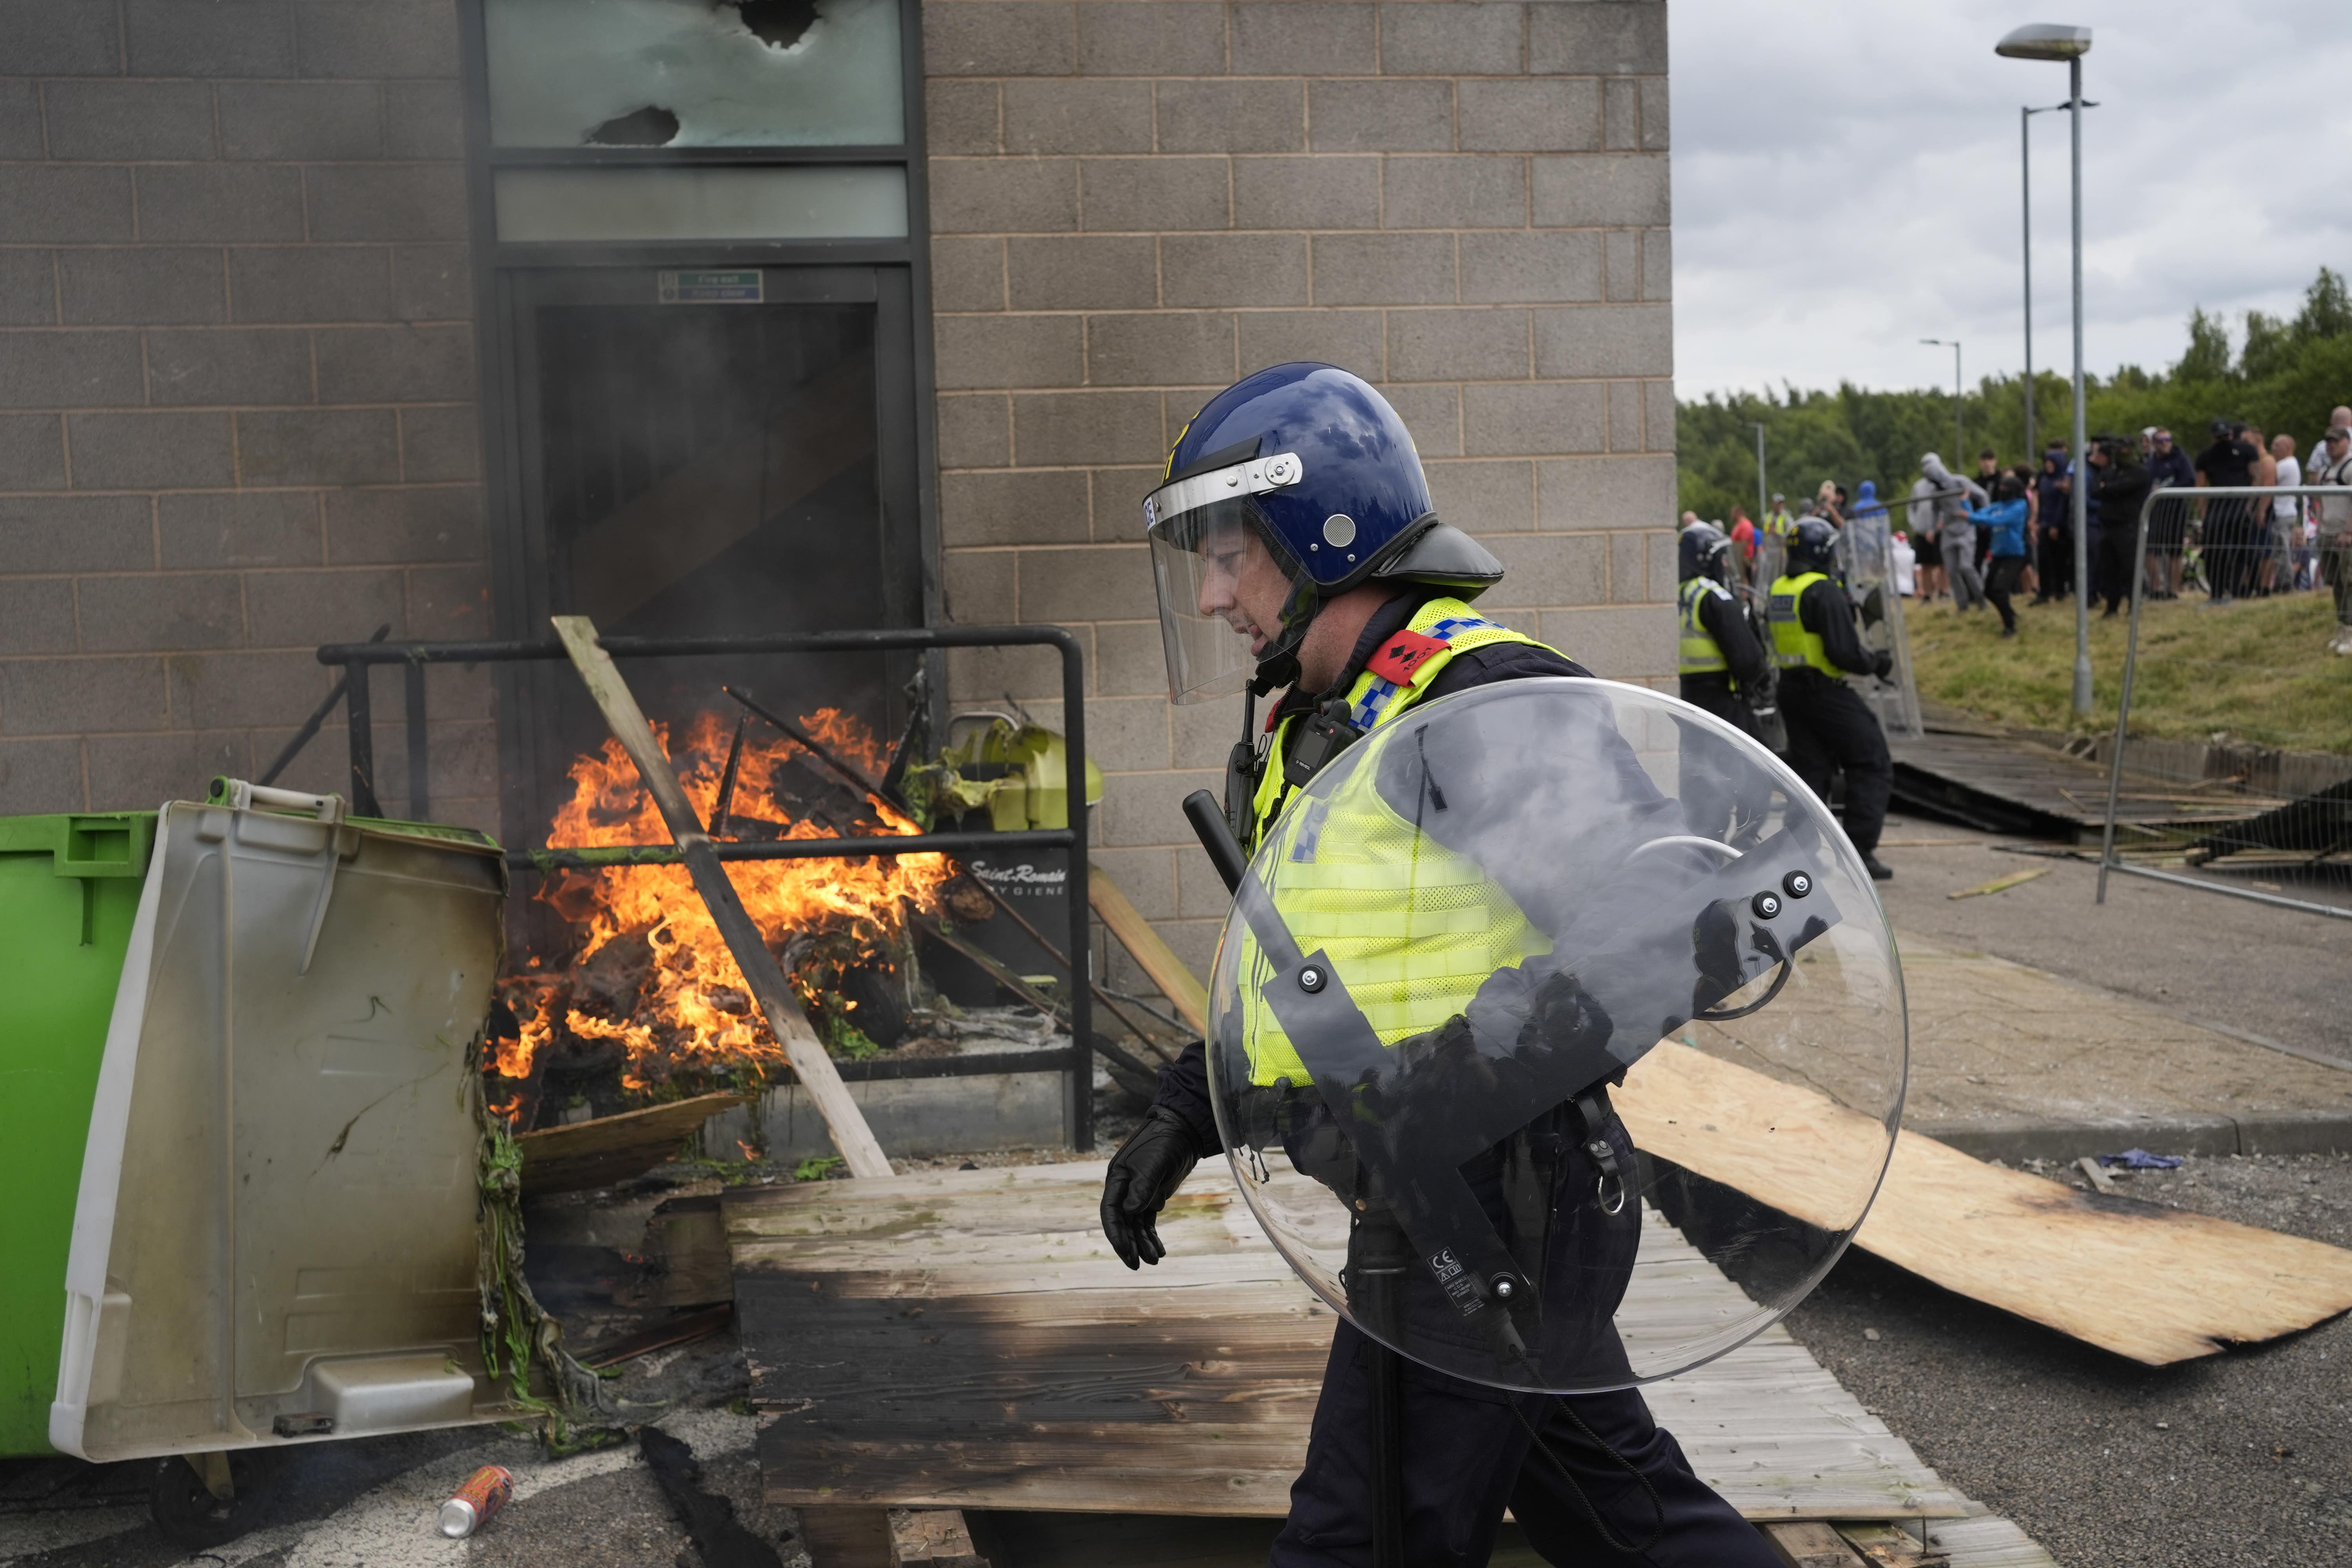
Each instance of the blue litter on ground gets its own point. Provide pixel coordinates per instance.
(2141, 1159)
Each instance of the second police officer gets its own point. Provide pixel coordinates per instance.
(1294, 546)
(1724, 667)
(1829, 727)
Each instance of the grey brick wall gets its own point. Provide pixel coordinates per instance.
(237, 384)
(1138, 200)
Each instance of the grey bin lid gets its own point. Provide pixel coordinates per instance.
(278, 1204)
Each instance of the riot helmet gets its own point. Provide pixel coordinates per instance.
(1704, 551)
(1288, 488)
(1813, 546)
(1473, 933)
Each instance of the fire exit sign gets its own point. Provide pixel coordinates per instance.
(711, 288)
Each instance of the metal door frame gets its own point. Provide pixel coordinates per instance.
(899, 270)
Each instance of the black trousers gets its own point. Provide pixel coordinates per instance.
(2002, 584)
(1831, 728)
(1714, 693)
(2114, 566)
(2056, 562)
(1466, 1454)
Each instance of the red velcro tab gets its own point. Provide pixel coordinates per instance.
(1402, 655)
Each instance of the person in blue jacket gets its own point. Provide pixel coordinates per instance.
(2004, 521)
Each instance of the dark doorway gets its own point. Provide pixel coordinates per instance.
(706, 469)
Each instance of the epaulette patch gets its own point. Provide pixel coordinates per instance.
(1402, 655)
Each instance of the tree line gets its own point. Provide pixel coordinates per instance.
(2290, 372)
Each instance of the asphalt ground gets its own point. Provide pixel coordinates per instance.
(2211, 959)
(2243, 1457)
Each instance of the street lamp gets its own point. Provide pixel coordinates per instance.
(2053, 41)
(1959, 438)
(2025, 194)
(1760, 507)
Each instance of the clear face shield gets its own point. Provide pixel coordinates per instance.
(1227, 596)
(1557, 1035)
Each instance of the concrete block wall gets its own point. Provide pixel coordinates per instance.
(237, 392)
(1135, 202)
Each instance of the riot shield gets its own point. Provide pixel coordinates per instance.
(1557, 1036)
(1866, 558)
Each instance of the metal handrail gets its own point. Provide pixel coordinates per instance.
(2181, 495)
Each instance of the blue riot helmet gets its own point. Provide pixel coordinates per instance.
(1288, 488)
(1705, 551)
(1813, 547)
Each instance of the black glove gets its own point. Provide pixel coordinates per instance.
(1145, 1172)
(1883, 666)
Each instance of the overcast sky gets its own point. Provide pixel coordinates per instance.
(1845, 182)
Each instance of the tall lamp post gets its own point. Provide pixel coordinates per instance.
(1760, 507)
(2025, 196)
(1959, 438)
(2057, 41)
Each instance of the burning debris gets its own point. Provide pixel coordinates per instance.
(649, 999)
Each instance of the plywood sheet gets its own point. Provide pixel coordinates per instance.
(610, 1148)
(2082, 1263)
(966, 1339)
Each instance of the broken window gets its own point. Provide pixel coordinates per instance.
(694, 73)
(798, 201)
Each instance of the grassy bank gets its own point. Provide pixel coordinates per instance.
(2258, 670)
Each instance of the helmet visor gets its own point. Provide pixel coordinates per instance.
(1227, 595)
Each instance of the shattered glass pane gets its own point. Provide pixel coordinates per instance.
(802, 201)
(694, 73)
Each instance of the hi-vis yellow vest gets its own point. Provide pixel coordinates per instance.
(1700, 656)
(1794, 647)
(1412, 928)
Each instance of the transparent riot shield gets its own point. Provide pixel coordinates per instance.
(1557, 1036)
(1867, 557)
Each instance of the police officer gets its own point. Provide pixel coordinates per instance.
(1722, 665)
(1295, 545)
(1815, 644)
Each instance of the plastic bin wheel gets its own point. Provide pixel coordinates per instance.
(187, 1512)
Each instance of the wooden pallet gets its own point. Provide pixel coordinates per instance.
(966, 1338)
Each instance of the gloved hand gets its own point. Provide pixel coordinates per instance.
(1145, 1172)
(1885, 664)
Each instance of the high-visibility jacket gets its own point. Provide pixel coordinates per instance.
(1794, 647)
(1700, 656)
(1412, 928)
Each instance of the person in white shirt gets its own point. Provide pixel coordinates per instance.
(2286, 517)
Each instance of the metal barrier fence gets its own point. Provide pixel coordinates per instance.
(2237, 819)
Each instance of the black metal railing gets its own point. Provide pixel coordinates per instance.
(1076, 1063)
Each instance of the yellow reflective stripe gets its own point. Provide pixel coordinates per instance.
(1794, 647)
(1412, 928)
(1699, 654)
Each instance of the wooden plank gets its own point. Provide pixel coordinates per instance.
(1810, 1544)
(1891, 1546)
(1989, 1542)
(609, 1149)
(966, 1339)
(1158, 960)
(2078, 1262)
(689, 1238)
(932, 1538)
(757, 965)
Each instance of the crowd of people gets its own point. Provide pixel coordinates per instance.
(1979, 541)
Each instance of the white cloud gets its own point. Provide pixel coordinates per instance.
(1846, 182)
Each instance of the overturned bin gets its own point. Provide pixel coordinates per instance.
(279, 1233)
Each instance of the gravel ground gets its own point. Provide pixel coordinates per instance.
(2239, 1458)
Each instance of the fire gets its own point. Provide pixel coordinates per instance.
(695, 1010)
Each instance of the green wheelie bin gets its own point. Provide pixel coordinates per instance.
(68, 889)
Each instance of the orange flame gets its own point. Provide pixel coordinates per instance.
(695, 1010)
